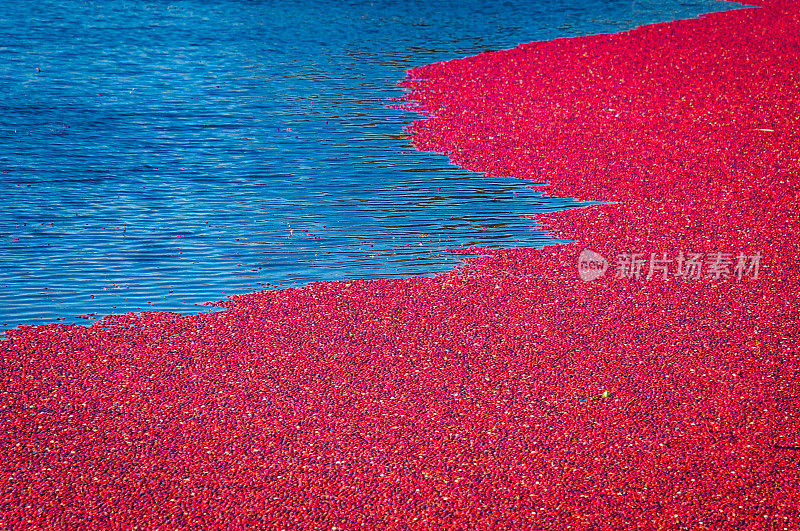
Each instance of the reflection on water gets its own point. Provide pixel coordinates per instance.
(156, 156)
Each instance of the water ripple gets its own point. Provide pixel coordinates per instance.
(157, 156)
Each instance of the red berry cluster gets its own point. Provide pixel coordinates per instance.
(507, 394)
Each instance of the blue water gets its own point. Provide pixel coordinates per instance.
(157, 155)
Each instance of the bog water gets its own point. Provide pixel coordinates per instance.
(158, 155)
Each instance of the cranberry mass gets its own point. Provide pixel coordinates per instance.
(507, 394)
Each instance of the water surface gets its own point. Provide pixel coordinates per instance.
(157, 155)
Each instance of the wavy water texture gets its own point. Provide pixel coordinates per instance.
(509, 394)
(158, 156)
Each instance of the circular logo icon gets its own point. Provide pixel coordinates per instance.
(591, 265)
